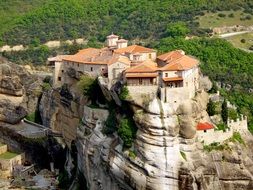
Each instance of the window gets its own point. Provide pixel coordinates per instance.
(59, 78)
(204, 131)
(150, 56)
(62, 71)
(78, 65)
(166, 74)
(91, 69)
(140, 81)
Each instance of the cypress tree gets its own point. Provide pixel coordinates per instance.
(224, 111)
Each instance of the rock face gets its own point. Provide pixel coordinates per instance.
(19, 92)
(165, 154)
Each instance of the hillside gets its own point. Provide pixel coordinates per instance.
(57, 19)
(11, 11)
(94, 19)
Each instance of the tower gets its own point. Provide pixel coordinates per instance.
(112, 40)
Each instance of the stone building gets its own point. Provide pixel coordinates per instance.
(174, 75)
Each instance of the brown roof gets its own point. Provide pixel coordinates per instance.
(142, 75)
(168, 79)
(181, 64)
(147, 66)
(96, 56)
(171, 56)
(134, 49)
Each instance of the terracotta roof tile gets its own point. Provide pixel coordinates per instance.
(147, 66)
(204, 126)
(96, 56)
(171, 56)
(183, 63)
(134, 49)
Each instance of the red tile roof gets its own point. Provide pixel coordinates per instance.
(147, 66)
(204, 126)
(171, 56)
(134, 49)
(183, 63)
(96, 56)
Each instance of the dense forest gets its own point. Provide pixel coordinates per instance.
(68, 19)
(162, 24)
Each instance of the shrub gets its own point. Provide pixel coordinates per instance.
(183, 155)
(85, 84)
(243, 41)
(124, 94)
(46, 86)
(178, 29)
(251, 48)
(237, 138)
(216, 146)
(127, 131)
(248, 17)
(110, 123)
(231, 15)
(221, 15)
(31, 117)
(132, 154)
(222, 127)
(232, 114)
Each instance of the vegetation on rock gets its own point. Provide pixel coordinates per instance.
(127, 131)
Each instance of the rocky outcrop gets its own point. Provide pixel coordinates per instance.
(11, 113)
(165, 154)
(19, 92)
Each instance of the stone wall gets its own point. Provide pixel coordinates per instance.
(239, 125)
(211, 136)
(176, 95)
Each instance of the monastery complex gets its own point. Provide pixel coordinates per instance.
(174, 75)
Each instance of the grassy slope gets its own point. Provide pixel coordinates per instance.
(211, 20)
(236, 40)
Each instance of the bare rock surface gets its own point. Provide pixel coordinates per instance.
(19, 92)
(165, 154)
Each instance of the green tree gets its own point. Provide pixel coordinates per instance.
(87, 84)
(178, 29)
(127, 131)
(224, 111)
(211, 108)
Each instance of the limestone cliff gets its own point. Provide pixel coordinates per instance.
(19, 92)
(166, 152)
